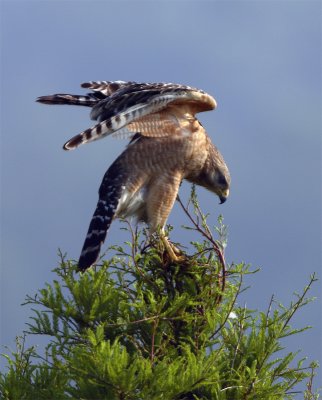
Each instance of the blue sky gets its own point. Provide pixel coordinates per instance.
(261, 60)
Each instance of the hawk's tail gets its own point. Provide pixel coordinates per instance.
(110, 193)
(96, 234)
(73, 99)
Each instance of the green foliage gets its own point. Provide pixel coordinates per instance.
(141, 327)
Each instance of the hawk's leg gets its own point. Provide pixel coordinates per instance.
(161, 197)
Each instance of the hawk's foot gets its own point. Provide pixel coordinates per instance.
(173, 252)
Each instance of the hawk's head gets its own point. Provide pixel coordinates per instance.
(221, 183)
(215, 175)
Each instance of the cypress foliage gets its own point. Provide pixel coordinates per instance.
(139, 327)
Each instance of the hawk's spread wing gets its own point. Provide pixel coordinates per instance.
(127, 107)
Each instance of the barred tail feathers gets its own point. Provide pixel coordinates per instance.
(96, 234)
(110, 193)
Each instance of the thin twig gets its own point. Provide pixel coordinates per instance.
(207, 235)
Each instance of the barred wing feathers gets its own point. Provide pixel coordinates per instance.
(101, 89)
(122, 107)
(88, 100)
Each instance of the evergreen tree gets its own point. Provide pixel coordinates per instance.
(139, 327)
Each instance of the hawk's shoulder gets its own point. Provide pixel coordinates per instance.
(121, 96)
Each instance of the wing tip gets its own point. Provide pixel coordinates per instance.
(86, 85)
(73, 143)
(45, 99)
(66, 147)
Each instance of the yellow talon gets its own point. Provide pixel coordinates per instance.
(174, 253)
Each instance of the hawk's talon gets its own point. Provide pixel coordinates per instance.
(173, 252)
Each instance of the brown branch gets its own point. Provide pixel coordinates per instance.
(207, 234)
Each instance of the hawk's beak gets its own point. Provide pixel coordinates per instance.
(223, 196)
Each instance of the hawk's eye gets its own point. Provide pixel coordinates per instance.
(222, 180)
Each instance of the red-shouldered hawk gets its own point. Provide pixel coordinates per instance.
(168, 144)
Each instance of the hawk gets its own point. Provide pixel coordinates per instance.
(167, 144)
